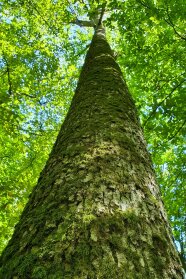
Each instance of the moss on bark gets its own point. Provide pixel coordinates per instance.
(96, 212)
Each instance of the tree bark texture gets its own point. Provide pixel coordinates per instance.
(96, 211)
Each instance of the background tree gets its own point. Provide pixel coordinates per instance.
(41, 53)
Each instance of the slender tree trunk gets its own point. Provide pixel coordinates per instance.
(96, 211)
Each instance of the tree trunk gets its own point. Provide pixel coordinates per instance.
(96, 211)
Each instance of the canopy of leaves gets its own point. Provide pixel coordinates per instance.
(41, 53)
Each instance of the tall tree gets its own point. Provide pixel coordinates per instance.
(40, 57)
(96, 211)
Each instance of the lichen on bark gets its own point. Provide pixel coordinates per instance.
(96, 212)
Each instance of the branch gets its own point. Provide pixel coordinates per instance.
(102, 14)
(9, 82)
(169, 139)
(28, 95)
(179, 129)
(83, 23)
(160, 103)
(144, 4)
(173, 26)
(85, 5)
(10, 92)
(41, 134)
(5, 156)
(33, 4)
(169, 21)
(3, 73)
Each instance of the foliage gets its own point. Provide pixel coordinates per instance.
(40, 58)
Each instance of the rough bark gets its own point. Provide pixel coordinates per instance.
(96, 211)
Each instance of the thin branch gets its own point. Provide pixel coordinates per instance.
(5, 156)
(174, 181)
(173, 26)
(32, 133)
(179, 129)
(160, 103)
(102, 14)
(144, 4)
(45, 21)
(42, 103)
(9, 82)
(173, 136)
(85, 5)
(10, 92)
(158, 87)
(28, 95)
(81, 23)
(169, 21)
(3, 73)
(93, 22)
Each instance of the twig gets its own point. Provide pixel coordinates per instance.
(179, 129)
(173, 26)
(28, 95)
(160, 103)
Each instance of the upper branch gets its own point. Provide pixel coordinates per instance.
(95, 18)
(10, 92)
(102, 14)
(160, 103)
(169, 21)
(84, 23)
